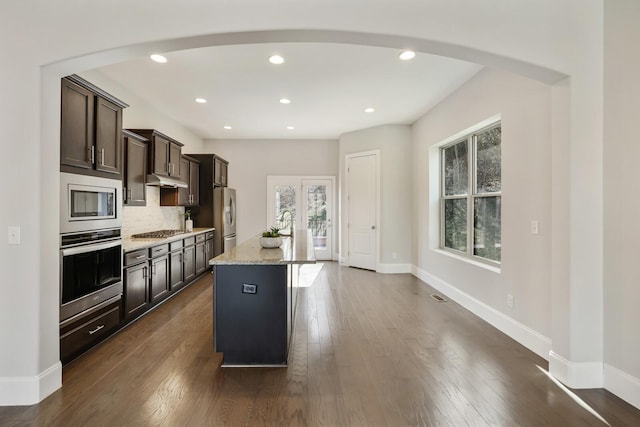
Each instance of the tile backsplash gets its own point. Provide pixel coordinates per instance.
(139, 219)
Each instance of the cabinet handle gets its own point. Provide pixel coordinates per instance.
(102, 157)
(144, 272)
(140, 256)
(125, 193)
(153, 269)
(96, 330)
(93, 154)
(130, 194)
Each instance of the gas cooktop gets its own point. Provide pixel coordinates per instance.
(159, 234)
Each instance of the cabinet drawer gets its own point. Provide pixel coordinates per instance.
(175, 245)
(189, 241)
(74, 340)
(158, 250)
(200, 238)
(135, 257)
(209, 235)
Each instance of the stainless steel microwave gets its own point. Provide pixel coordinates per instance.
(89, 203)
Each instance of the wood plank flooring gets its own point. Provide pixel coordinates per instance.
(369, 350)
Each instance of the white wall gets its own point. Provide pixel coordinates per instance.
(251, 161)
(622, 198)
(525, 107)
(394, 143)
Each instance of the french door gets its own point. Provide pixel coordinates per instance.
(298, 202)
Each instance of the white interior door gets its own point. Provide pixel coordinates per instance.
(362, 205)
(309, 200)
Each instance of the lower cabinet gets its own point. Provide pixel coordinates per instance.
(136, 289)
(176, 265)
(189, 260)
(81, 334)
(159, 278)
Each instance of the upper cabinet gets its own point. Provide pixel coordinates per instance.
(90, 129)
(190, 175)
(164, 153)
(135, 168)
(220, 166)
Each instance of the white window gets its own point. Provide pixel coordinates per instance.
(470, 214)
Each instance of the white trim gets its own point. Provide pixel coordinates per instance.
(526, 336)
(622, 385)
(22, 391)
(394, 268)
(576, 374)
(463, 258)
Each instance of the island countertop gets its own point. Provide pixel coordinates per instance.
(298, 251)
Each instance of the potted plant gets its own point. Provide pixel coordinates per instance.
(188, 222)
(271, 238)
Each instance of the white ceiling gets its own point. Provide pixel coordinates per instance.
(329, 86)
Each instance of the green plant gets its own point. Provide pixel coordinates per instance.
(272, 232)
(187, 214)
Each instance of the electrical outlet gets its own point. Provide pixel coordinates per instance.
(535, 227)
(13, 235)
(509, 300)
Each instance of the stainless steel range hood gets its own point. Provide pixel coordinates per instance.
(165, 181)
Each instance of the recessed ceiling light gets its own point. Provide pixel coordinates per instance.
(276, 59)
(158, 58)
(407, 55)
(200, 100)
(228, 127)
(290, 127)
(285, 101)
(369, 110)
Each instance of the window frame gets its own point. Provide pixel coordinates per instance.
(470, 138)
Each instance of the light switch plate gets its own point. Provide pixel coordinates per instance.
(535, 227)
(13, 235)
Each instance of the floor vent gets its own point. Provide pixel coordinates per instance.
(438, 298)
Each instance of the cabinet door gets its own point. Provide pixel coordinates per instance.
(217, 172)
(194, 183)
(159, 278)
(160, 156)
(108, 122)
(189, 263)
(175, 155)
(136, 286)
(76, 126)
(223, 174)
(201, 257)
(184, 193)
(135, 170)
(208, 250)
(176, 270)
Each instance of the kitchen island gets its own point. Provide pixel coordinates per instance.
(254, 300)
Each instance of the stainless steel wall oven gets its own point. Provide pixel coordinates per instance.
(90, 244)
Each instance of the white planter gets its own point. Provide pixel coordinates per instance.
(188, 224)
(270, 242)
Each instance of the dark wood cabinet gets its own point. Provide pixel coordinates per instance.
(190, 196)
(220, 174)
(201, 255)
(159, 282)
(164, 153)
(189, 259)
(135, 161)
(90, 129)
(136, 289)
(176, 266)
(209, 246)
(81, 334)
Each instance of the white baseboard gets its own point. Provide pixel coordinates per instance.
(576, 374)
(22, 391)
(526, 336)
(394, 268)
(622, 385)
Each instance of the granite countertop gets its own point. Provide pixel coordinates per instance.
(130, 244)
(300, 251)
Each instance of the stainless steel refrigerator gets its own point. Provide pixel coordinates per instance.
(224, 219)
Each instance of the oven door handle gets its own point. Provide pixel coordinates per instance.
(90, 247)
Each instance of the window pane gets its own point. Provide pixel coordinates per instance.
(455, 224)
(488, 161)
(285, 201)
(317, 214)
(456, 174)
(486, 224)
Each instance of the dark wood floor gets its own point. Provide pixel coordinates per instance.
(369, 350)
